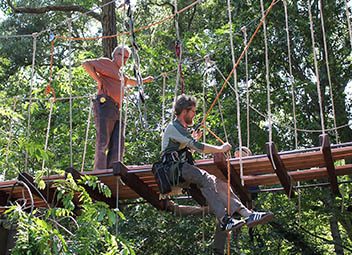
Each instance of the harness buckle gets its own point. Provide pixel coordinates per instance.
(174, 156)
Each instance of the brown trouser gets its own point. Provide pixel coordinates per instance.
(107, 123)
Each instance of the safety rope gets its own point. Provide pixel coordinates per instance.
(87, 133)
(30, 96)
(328, 69)
(70, 88)
(244, 31)
(316, 68)
(348, 14)
(136, 69)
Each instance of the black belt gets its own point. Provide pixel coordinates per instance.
(103, 98)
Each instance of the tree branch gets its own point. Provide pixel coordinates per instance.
(61, 8)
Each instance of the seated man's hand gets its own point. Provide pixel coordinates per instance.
(197, 134)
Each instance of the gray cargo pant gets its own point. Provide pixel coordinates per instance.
(213, 189)
(215, 192)
(107, 122)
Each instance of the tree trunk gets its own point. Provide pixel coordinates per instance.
(108, 22)
(335, 232)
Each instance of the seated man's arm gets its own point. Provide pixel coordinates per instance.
(208, 148)
(186, 138)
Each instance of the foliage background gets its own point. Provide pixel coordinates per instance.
(204, 31)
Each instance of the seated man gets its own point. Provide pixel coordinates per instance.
(176, 145)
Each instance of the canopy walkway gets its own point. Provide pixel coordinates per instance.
(284, 168)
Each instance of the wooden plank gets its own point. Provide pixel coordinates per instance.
(135, 183)
(235, 180)
(94, 194)
(326, 150)
(304, 175)
(280, 169)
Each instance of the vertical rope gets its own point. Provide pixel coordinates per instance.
(70, 87)
(122, 88)
(316, 68)
(87, 133)
(122, 80)
(48, 131)
(267, 74)
(348, 22)
(236, 88)
(244, 31)
(328, 69)
(6, 167)
(228, 155)
(293, 97)
(178, 50)
(163, 121)
(117, 203)
(204, 106)
(30, 96)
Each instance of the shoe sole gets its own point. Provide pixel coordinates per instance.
(263, 220)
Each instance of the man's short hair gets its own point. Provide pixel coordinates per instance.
(184, 102)
(119, 49)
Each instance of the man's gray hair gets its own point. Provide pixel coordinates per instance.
(184, 102)
(121, 48)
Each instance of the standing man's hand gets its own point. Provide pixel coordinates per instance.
(226, 147)
(148, 79)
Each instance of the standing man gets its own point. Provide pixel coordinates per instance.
(176, 143)
(110, 84)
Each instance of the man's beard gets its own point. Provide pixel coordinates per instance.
(189, 121)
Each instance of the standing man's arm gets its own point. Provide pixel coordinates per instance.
(90, 68)
(133, 82)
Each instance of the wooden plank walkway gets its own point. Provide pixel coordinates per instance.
(300, 165)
